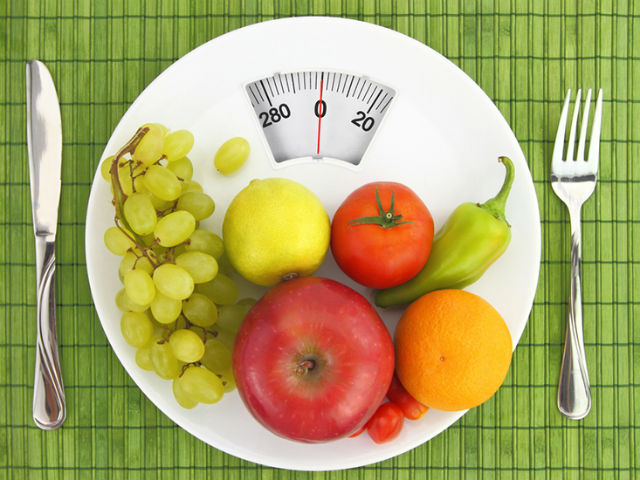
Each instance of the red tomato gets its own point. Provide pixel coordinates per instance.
(411, 407)
(381, 235)
(386, 423)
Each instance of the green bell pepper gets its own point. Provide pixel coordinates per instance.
(471, 239)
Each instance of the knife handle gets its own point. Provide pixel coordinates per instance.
(49, 410)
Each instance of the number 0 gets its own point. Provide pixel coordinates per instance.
(317, 106)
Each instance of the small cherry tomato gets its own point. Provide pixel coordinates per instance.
(386, 423)
(359, 431)
(411, 407)
(381, 234)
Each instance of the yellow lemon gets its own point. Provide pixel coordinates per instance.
(275, 229)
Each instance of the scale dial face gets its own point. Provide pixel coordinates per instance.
(319, 114)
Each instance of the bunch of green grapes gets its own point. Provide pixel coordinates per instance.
(180, 311)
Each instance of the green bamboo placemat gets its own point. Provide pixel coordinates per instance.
(524, 54)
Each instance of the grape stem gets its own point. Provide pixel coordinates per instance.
(118, 191)
(171, 209)
(187, 365)
(128, 147)
(120, 196)
(213, 333)
(145, 253)
(132, 168)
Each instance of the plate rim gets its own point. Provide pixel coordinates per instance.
(479, 92)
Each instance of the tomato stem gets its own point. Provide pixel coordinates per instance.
(385, 218)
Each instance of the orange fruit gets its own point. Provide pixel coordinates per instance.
(453, 350)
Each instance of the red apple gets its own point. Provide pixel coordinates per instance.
(313, 360)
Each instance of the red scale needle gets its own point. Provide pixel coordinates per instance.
(320, 113)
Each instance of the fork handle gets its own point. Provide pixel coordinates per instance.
(574, 395)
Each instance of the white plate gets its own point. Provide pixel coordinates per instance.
(442, 138)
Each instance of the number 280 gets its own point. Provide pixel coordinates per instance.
(275, 114)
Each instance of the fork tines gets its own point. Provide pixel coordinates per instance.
(592, 159)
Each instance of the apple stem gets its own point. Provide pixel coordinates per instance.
(289, 276)
(304, 367)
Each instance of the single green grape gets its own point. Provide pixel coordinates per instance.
(159, 126)
(139, 287)
(136, 328)
(183, 168)
(159, 204)
(177, 144)
(131, 261)
(118, 240)
(149, 148)
(207, 242)
(105, 168)
(217, 356)
(175, 228)
(165, 309)
(143, 358)
(186, 345)
(230, 317)
(228, 381)
(191, 186)
(158, 329)
(201, 266)
(199, 204)
(139, 185)
(222, 290)
(225, 336)
(124, 303)
(231, 155)
(173, 281)
(165, 364)
(140, 213)
(250, 302)
(162, 183)
(126, 264)
(184, 400)
(124, 178)
(225, 266)
(200, 310)
(179, 249)
(201, 385)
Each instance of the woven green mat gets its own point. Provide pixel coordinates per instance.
(523, 54)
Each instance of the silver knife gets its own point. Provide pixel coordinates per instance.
(44, 143)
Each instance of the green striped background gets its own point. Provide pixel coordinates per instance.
(524, 54)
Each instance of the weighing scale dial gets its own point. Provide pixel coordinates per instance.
(319, 114)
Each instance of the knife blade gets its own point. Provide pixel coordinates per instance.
(44, 145)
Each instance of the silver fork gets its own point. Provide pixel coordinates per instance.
(574, 180)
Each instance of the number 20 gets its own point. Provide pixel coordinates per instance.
(362, 121)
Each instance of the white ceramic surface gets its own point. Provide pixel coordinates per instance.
(442, 137)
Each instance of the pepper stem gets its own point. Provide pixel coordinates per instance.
(496, 205)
